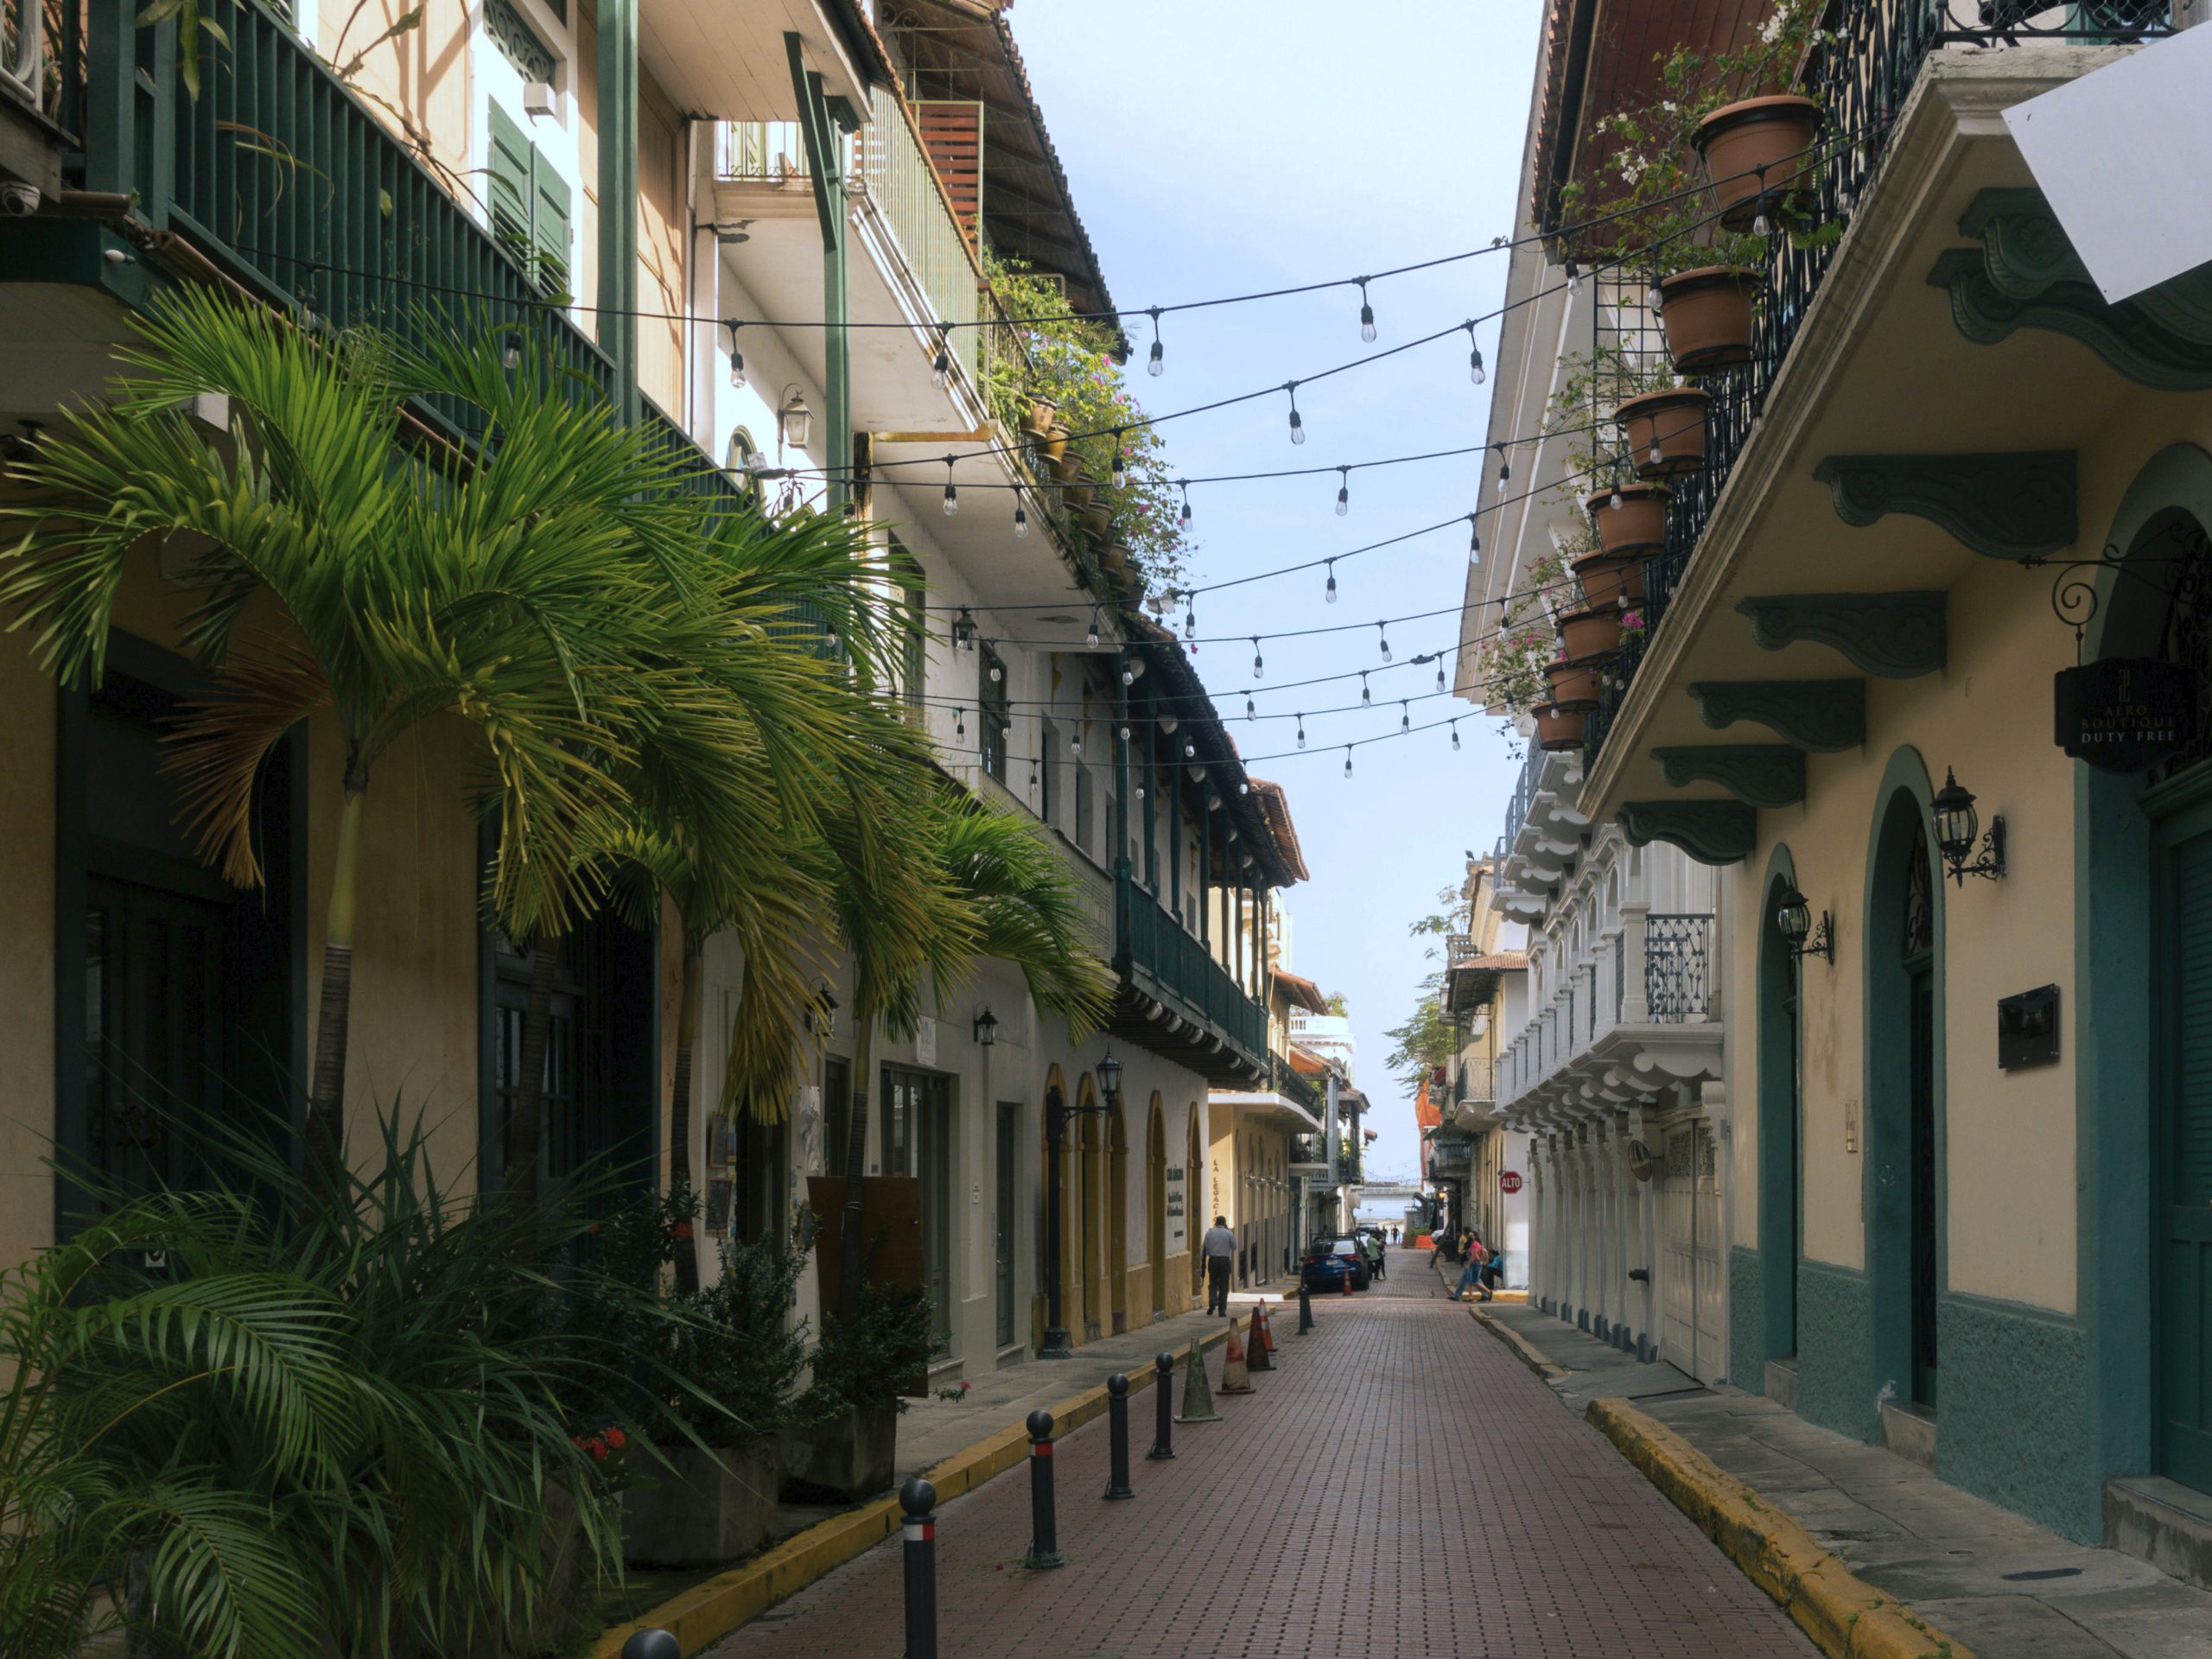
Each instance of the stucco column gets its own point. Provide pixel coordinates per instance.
(1635, 1010)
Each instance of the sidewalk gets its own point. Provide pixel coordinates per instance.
(931, 1430)
(2002, 1586)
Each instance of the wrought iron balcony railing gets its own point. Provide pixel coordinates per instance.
(1151, 944)
(1862, 79)
(1678, 967)
(1293, 1086)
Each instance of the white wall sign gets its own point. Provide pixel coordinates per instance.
(925, 1043)
(2117, 156)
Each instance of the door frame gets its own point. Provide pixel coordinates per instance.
(1781, 1124)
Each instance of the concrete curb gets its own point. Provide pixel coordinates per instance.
(713, 1608)
(1525, 1350)
(1845, 1617)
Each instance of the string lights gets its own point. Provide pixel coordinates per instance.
(1383, 638)
(1296, 423)
(1474, 539)
(1474, 355)
(1156, 363)
(952, 493)
(1259, 663)
(1344, 490)
(1021, 523)
(1366, 313)
(1332, 594)
(736, 357)
(941, 364)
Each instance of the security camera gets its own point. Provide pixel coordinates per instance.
(19, 201)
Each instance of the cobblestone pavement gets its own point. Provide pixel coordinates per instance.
(1400, 1484)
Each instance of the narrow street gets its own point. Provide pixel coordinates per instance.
(1401, 1485)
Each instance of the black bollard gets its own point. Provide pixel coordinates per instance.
(1163, 1429)
(918, 1498)
(1044, 1540)
(1305, 1308)
(1117, 1431)
(654, 1643)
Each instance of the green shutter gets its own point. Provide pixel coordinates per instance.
(510, 159)
(549, 225)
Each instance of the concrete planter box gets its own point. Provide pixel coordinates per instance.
(847, 1458)
(705, 1511)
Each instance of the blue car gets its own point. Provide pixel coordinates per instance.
(1325, 1272)
(1330, 1262)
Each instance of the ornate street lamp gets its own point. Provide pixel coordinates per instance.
(987, 1027)
(1794, 916)
(1056, 1113)
(794, 419)
(1955, 823)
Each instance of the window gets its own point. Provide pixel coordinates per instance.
(1082, 807)
(530, 202)
(996, 724)
(914, 642)
(1048, 771)
(836, 1111)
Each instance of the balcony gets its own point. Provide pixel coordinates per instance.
(1636, 1012)
(1177, 1000)
(1866, 80)
(1543, 833)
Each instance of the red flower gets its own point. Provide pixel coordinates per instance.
(682, 1230)
(599, 1451)
(617, 1438)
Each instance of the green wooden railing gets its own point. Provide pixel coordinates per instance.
(1179, 969)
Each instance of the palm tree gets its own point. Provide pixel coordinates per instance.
(987, 885)
(551, 587)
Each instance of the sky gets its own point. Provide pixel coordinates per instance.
(1218, 147)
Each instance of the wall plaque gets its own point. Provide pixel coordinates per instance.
(2124, 714)
(2027, 1029)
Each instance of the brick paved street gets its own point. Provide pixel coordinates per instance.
(1401, 1485)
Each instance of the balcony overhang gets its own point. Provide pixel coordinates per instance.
(725, 60)
(1791, 600)
(1627, 1066)
(1278, 1111)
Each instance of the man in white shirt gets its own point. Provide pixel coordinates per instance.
(1219, 1248)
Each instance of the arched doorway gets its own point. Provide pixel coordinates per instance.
(1781, 1107)
(1091, 1252)
(1118, 1217)
(1904, 1203)
(1194, 1224)
(1156, 1202)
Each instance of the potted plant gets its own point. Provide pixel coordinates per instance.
(1707, 313)
(1077, 496)
(1097, 517)
(1665, 431)
(1592, 632)
(1756, 153)
(1562, 726)
(1038, 415)
(1610, 578)
(712, 1498)
(1630, 519)
(845, 1425)
(1575, 684)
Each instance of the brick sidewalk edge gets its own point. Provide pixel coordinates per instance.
(713, 1608)
(1845, 1617)
(1526, 1352)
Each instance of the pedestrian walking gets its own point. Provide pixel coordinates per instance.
(1219, 1248)
(1470, 1276)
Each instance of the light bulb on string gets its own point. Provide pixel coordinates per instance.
(963, 630)
(1301, 731)
(1125, 731)
(1259, 664)
(1296, 423)
(1474, 540)
(1573, 277)
(1474, 357)
(1366, 314)
(1347, 760)
(1761, 224)
(1383, 639)
(1121, 463)
(736, 358)
(1032, 773)
(1658, 456)
(1366, 697)
(1184, 484)
(1190, 615)
(941, 367)
(1332, 594)
(511, 350)
(1405, 716)
(1440, 671)
(951, 494)
(1455, 733)
(1344, 490)
(1190, 750)
(960, 722)
(1243, 788)
(1075, 741)
(1250, 711)
(998, 668)
(1504, 467)
(1655, 296)
(1091, 639)
(1156, 365)
(1020, 516)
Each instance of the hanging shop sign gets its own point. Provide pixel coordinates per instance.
(1510, 1181)
(2124, 714)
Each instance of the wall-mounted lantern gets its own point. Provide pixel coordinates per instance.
(1793, 915)
(1955, 824)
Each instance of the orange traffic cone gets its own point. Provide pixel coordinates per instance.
(1234, 1377)
(1347, 1279)
(1262, 1344)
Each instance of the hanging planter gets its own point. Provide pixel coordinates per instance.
(1067, 467)
(1609, 578)
(1052, 444)
(1076, 495)
(1666, 430)
(1638, 524)
(1096, 518)
(1591, 634)
(1562, 726)
(1039, 417)
(1575, 684)
(1757, 151)
(1707, 313)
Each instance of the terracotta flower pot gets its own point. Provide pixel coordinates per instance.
(1052, 442)
(1593, 632)
(1610, 578)
(1574, 682)
(1707, 313)
(1038, 417)
(1067, 466)
(1076, 495)
(1637, 525)
(1561, 726)
(1756, 149)
(1096, 518)
(1666, 430)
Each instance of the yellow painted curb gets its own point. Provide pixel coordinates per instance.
(713, 1607)
(1845, 1617)
(1529, 1354)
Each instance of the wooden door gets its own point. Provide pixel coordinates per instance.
(1002, 1221)
(1678, 1253)
(2182, 1311)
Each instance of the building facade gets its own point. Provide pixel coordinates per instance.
(638, 181)
(1951, 505)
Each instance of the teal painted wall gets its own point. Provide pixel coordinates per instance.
(1836, 1383)
(2008, 1367)
(1746, 1320)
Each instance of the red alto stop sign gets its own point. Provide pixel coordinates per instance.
(1510, 1181)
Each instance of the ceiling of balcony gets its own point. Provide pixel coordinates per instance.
(726, 58)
